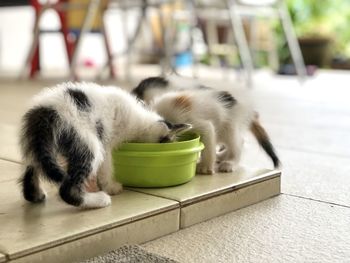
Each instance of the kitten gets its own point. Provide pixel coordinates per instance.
(152, 87)
(68, 135)
(218, 116)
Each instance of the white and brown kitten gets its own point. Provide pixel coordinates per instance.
(220, 117)
(81, 123)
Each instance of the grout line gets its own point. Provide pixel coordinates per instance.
(317, 200)
(152, 194)
(5, 254)
(9, 160)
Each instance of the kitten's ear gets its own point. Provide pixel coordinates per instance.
(180, 128)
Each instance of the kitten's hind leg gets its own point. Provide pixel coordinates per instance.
(73, 191)
(104, 176)
(31, 189)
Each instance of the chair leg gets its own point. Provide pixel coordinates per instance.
(166, 64)
(194, 26)
(69, 44)
(32, 62)
(272, 52)
(241, 41)
(35, 63)
(253, 39)
(88, 19)
(292, 40)
(131, 40)
(108, 50)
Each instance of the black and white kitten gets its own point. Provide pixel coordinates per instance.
(68, 135)
(220, 117)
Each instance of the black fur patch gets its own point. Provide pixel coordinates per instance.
(100, 129)
(264, 140)
(226, 99)
(30, 186)
(152, 82)
(39, 125)
(270, 150)
(80, 99)
(164, 139)
(39, 139)
(79, 159)
(71, 192)
(168, 124)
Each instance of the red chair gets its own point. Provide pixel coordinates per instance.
(72, 36)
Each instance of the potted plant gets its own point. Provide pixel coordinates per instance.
(313, 28)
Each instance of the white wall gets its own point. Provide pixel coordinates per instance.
(16, 25)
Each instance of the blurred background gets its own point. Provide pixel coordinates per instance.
(96, 39)
(295, 54)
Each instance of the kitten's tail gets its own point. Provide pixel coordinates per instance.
(264, 140)
(37, 140)
(148, 83)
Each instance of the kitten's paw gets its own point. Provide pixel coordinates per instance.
(36, 197)
(226, 166)
(113, 188)
(204, 169)
(96, 200)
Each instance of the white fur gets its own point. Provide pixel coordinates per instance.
(96, 200)
(216, 125)
(123, 118)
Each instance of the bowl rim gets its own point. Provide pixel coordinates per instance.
(146, 154)
(197, 137)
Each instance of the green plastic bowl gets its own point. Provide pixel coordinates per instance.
(157, 164)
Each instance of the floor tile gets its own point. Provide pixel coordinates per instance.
(281, 229)
(9, 171)
(325, 141)
(14, 99)
(9, 149)
(28, 228)
(305, 114)
(218, 205)
(204, 186)
(316, 176)
(100, 243)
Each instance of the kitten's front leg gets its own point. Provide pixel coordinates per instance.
(104, 176)
(229, 158)
(208, 155)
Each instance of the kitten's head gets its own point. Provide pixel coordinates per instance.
(163, 131)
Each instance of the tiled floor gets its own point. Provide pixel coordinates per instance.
(309, 221)
(281, 229)
(56, 232)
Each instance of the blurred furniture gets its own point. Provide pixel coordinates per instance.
(77, 17)
(158, 26)
(14, 2)
(237, 11)
(265, 9)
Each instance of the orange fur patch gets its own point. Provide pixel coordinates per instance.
(183, 102)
